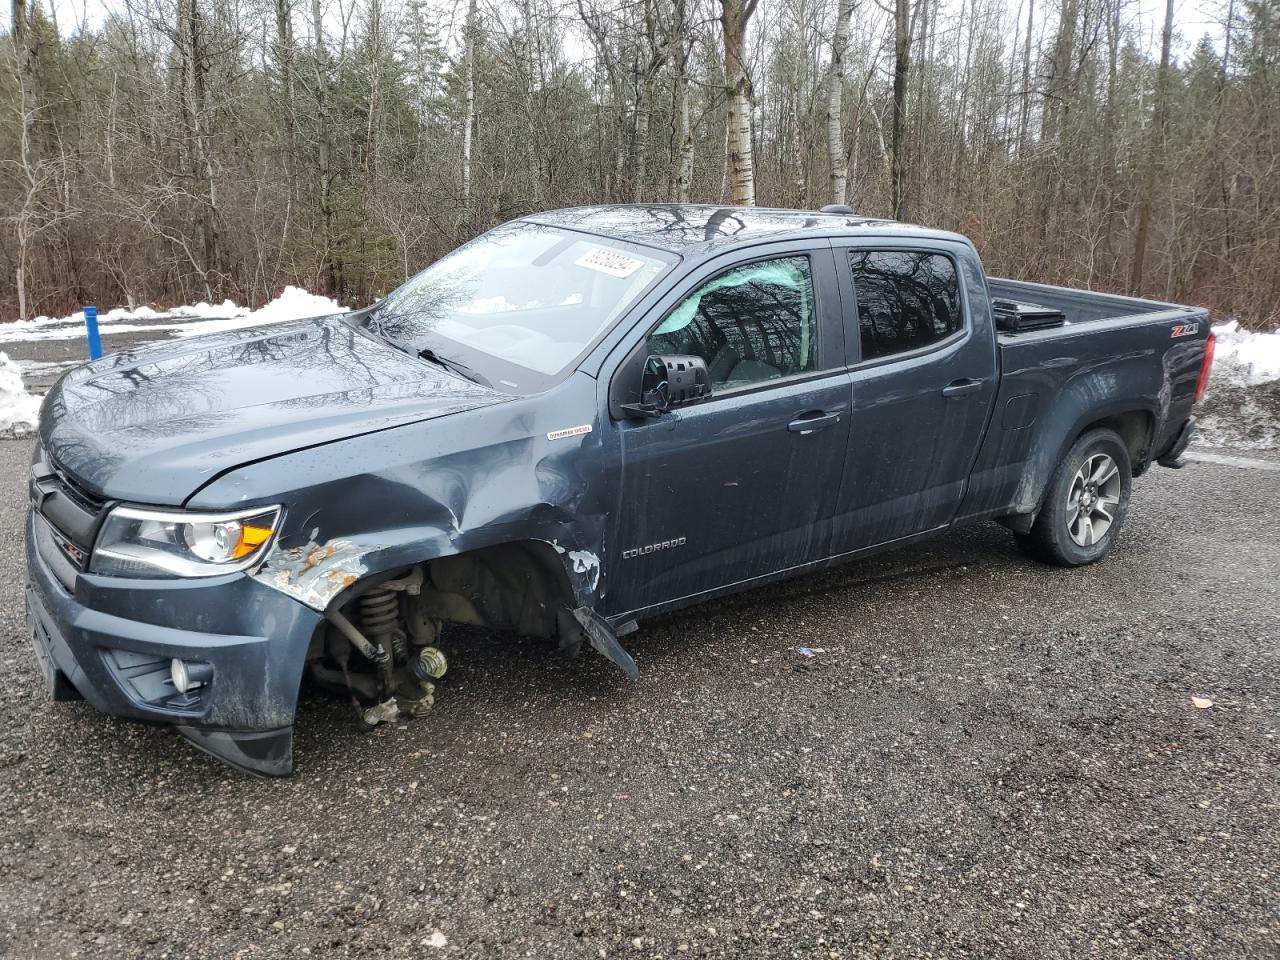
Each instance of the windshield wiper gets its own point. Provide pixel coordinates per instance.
(461, 369)
(375, 318)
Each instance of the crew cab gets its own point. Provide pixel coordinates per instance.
(575, 422)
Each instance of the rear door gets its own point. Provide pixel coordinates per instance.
(744, 483)
(923, 377)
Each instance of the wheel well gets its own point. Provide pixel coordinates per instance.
(378, 643)
(520, 586)
(1134, 428)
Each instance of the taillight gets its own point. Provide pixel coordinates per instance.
(1206, 366)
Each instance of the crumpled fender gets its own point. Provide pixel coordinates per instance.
(319, 572)
(530, 469)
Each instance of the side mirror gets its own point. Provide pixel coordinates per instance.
(670, 381)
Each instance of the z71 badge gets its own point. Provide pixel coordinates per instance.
(1185, 330)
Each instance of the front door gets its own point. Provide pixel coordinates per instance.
(744, 483)
(923, 376)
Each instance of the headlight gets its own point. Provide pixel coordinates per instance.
(135, 542)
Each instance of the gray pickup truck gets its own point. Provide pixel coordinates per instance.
(579, 420)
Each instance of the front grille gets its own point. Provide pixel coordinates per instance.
(70, 514)
(52, 552)
(73, 488)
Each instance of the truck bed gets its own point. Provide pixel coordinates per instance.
(1085, 306)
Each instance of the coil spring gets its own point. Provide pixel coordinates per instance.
(379, 611)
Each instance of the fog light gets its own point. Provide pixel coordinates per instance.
(188, 675)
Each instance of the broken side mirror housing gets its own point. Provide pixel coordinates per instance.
(670, 381)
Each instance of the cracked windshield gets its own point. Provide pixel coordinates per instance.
(517, 306)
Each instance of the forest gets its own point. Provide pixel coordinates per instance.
(178, 150)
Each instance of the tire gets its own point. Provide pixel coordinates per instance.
(1086, 503)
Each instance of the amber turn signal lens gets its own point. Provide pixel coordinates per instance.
(251, 538)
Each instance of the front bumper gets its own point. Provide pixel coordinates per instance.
(111, 640)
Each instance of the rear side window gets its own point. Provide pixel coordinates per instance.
(906, 300)
(750, 324)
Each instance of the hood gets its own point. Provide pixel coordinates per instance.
(155, 424)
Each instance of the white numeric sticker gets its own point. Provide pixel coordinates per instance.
(609, 261)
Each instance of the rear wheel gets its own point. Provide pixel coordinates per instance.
(1086, 503)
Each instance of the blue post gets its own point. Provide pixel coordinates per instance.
(91, 325)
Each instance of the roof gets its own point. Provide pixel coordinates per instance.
(700, 228)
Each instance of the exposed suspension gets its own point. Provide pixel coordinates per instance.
(395, 638)
(380, 616)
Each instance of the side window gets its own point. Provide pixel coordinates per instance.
(753, 323)
(906, 300)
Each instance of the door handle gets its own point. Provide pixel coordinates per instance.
(957, 387)
(808, 423)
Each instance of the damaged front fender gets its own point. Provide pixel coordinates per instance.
(315, 573)
(318, 573)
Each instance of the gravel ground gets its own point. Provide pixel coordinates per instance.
(988, 758)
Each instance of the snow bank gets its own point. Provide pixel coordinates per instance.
(186, 321)
(18, 409)
(1241, 407)
(1247, 357)
(293, 304)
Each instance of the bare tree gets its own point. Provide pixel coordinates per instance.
(24, 219)
(735, 15)
(1159, 124)
(902, 32)
(469, 85)
(320, 67)
(835, 103)
(680, 43)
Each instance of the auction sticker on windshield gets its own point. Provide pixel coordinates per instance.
(612, 262)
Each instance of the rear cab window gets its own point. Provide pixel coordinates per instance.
(907, 300)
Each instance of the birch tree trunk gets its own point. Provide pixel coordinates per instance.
(797, 160)
(835, 104)
(734, 18)
(1024, 111)
(22, 52)
(640, 142)
(534, 157)
(375, 88)
(682, 154)
(469, 117)
(284, 55)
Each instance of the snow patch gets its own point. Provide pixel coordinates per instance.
(185, 321)
(1246, 356)
(293, 304)
(1241, 407)
(18, 409)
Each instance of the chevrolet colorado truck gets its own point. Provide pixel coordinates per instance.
(577, 421)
